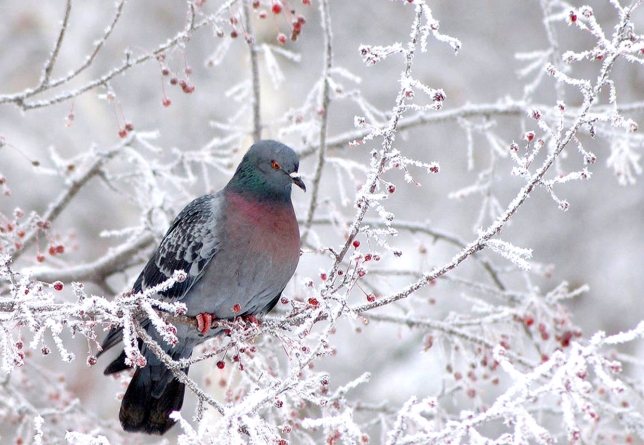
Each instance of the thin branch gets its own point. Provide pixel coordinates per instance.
(535, 180)
(116, 260)
(450, 330)
(388, 134)
(254, 72)
(97, 47)
(19, 99)
(63, 200)
(467, 111)
(434, 233)
(49, 65)
(325, 101)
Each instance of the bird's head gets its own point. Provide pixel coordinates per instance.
(268, 169)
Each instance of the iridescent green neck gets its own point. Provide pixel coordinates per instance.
(250, 182)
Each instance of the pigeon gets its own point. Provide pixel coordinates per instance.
(238, 249)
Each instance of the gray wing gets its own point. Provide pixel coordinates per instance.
(189, 244)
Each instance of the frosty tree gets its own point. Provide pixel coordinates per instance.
(434, 303)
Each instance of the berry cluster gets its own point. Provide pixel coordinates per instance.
(175, 79)
(281, 7)
(15, 229)
(124, 125)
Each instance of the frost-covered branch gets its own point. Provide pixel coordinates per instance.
(453, 287)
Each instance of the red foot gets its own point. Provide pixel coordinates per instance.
(204, 321)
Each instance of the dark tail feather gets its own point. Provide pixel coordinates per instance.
(113, 337)
(146, 409)
(117, 365)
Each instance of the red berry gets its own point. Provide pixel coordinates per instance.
(174, 81)
(60, 248)
(371, 298)
(565, 339)
(323, 276)
(367, 257)
(165, 71)
(262, 14)
(166, 102)
(391, 188)
(221, 364)
(91, 360)
(40, 257)
(276, 8)
(58, 285)
(528, 320)
(122, 133)
(281, 38)
(528, 136)
(129, 126)
(255, 4)
(356, 244)
(234, 34)
(52, 250)
(237, 308)
(313, 301)
(306, 2)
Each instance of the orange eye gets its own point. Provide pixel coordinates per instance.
(275, 165)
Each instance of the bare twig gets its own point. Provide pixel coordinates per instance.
(116, 260)
(254, 73)
(63, 200)
(325, 100)
(20, 99)
(49, 65)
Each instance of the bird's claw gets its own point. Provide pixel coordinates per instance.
(204, 321)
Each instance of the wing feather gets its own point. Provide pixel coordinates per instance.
(189, 245)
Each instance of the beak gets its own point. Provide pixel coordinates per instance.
(297, 180)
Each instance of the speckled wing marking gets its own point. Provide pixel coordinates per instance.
(190, 243)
